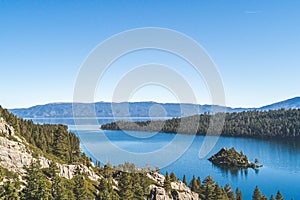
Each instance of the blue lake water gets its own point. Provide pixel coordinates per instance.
(280, 158)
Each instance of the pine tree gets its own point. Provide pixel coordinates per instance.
(209, 180)
(137, 188)
(105, 190)
(107, 170)
(80, 191)
(184, 180)
(199, 185)
(125, 186)
(10, 190)
(60, 143)
(208, 188)
(53, 170)
(272, 197)
(208, 193)
(264, 197)
(238, 194)
(194, 185)
(69, 186)
(229, 192)
(219, 193)
(167, 183)
(172, 177)
(256, 194)
(58, 190)
(145, 183)
(36, 187)
(278, 196)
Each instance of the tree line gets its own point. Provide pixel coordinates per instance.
(264, 124)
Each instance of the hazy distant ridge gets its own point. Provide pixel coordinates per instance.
(136, 109)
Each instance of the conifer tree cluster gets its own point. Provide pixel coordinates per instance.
(274, 123)
(48, 138)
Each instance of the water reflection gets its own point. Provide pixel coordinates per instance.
(235, 171)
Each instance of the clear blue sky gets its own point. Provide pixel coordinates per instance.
(255, 45)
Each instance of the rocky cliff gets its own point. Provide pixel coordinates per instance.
(179, 190)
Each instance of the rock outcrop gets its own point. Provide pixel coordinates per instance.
(67, 171)
(14, 155)
(157, 177)
(158, 193)
(179, 190)
(6, 128)
(231, 158)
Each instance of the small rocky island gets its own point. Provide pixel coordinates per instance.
(231, 158)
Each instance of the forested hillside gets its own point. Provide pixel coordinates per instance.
(277, 123)
(51, 139)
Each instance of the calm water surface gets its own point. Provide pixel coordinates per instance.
(281, 160)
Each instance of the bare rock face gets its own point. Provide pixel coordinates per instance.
(182, 192)
(14, 155)
(6, 128)
(179, 190)
(184, 195)
(158, 193)
(67, 171)
(157, 177)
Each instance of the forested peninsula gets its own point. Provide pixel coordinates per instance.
(261, 124)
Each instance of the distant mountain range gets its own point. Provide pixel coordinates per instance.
(136, 109)
(287, 104)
